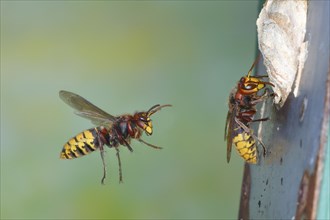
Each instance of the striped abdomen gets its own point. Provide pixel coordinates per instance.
(245, 145)
(80, 145)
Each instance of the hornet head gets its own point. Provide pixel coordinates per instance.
(143, 118)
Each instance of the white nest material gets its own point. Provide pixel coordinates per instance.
(281, 33)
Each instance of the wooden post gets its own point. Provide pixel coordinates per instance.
(292, 181)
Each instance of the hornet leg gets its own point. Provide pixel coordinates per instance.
(260, 119)
(119, 165)
(102, 151)
(150, 145)
(127, 145)
(103, 163)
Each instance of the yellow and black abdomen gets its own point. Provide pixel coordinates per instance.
(245, 145)
(81, 144)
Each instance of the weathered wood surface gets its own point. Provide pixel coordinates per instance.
(286, 183)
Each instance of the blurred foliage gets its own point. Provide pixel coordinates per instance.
(123, 57)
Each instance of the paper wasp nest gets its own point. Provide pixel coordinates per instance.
(281, 33)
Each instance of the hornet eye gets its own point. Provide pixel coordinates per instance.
(143, 119)
(248, 87)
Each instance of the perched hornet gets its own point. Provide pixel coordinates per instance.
(242, 101)
(111, 131)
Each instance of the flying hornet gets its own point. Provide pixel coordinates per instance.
(242, 108)
(112, 131)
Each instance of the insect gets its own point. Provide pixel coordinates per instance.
(112, 131)
(242, 108)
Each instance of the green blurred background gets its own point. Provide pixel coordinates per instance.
(123, 57)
